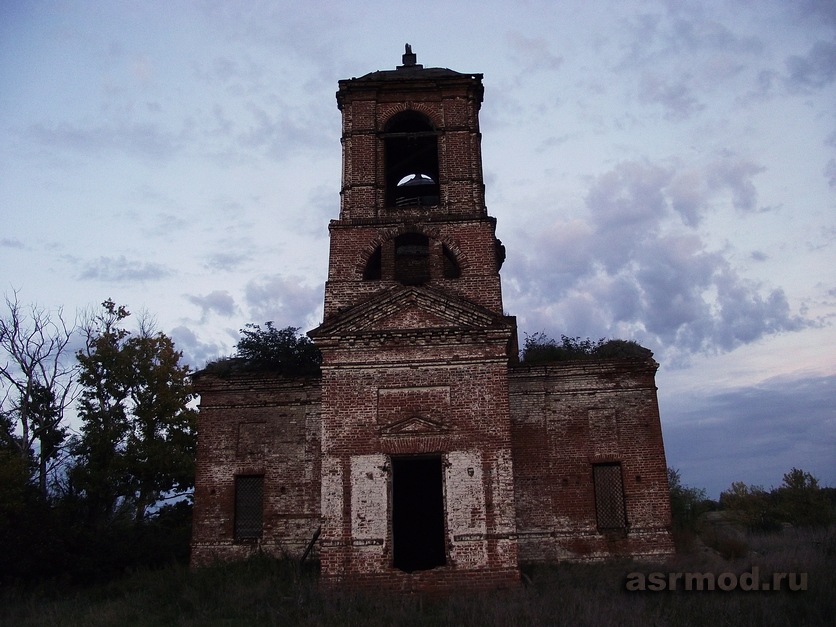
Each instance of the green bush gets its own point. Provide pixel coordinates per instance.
(284, 351)
(540, 348)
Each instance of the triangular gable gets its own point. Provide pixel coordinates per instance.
(409, 307)
(412, 317)
(414, 425)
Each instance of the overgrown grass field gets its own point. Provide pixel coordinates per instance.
(267, 592)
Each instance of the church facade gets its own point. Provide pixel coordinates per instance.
(426, 456)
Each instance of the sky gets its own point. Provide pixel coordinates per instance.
(660, 171)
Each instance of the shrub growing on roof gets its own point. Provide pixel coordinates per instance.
(540, 348)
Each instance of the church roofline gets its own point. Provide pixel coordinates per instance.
(409, 72)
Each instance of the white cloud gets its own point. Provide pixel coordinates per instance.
(285, 301)
(196, 353)
(814, 70)
(143, 139)
(219, 302)
(632, 268)
(676, 97)
(121, 269)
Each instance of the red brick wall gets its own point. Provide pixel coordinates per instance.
(460, 222)
(471, 241)
(451, 103)
(257, 424)
(413, 392)
(565, 417)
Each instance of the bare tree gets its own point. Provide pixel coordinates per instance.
(37, 383)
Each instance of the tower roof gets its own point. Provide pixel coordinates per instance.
(411, 69)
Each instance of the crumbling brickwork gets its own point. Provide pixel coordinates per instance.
(426, 457)
(261, 425)
(566, 418)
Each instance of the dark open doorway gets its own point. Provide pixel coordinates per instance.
(417, 513)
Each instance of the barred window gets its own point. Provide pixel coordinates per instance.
(249, 496)
(609, 496)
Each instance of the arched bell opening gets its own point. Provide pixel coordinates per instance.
(411, 161)
(413, 261)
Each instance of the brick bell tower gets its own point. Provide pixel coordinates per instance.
(417, 479)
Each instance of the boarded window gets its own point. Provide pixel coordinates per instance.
(249, 507)
(412, 259)
(609, 496)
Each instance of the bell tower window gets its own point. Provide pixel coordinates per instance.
(411, 161)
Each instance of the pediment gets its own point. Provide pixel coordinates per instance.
(414, 425)
(410, 308)
(412, 316)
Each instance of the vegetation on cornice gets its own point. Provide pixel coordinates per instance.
(280, 351)
(540, 348)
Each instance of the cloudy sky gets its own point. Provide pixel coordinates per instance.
(660, 171)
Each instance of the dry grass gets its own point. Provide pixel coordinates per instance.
(265, 592)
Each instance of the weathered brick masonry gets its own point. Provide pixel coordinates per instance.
(425, 456)
(257, 425)
(566, 418)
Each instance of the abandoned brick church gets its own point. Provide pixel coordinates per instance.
(425, 455)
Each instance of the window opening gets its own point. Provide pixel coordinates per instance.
(411, 161)
(417, 513)
(372, 272)
(249, 508)
(609, 496)
(451, 266)
(412, 259)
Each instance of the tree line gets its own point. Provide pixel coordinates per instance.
(800, 501)
(98, 433)
(110, 492)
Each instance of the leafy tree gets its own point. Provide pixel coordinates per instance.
(137, 440)
(14, 474)
(799, 481)
(622, 349)
(801, 502)
(798, 501)
(282, 349)
(279, 350)
(160, 447)
(687, 504)
(36, 386)
(748, 503)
